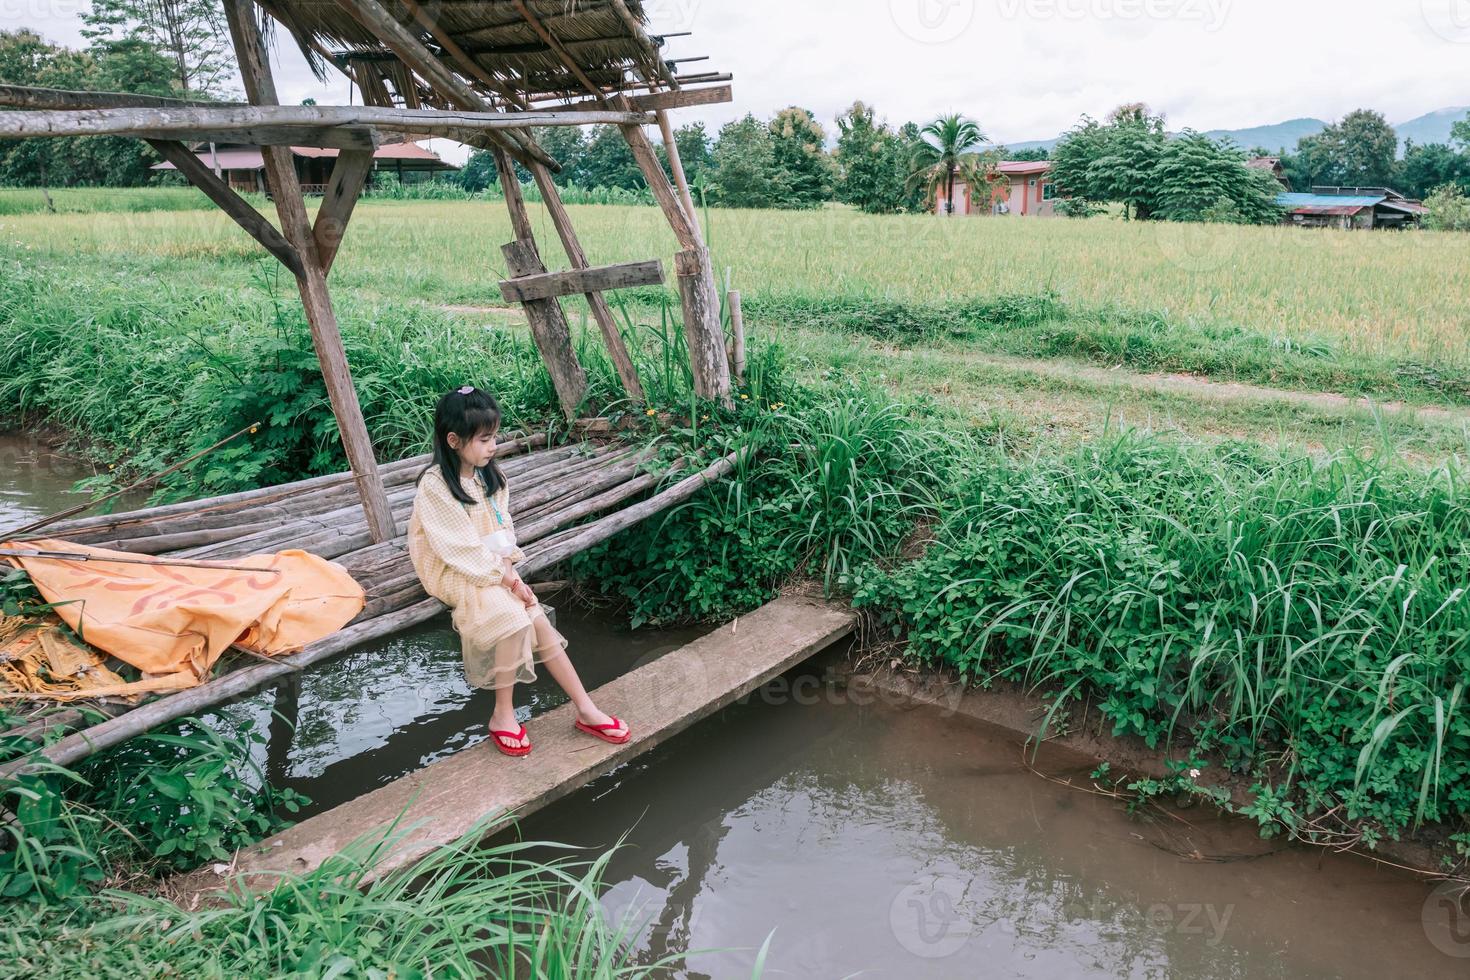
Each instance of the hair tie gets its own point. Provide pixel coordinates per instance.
(467, 390)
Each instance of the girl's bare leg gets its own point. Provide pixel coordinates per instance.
(503, 718)
(559, 666)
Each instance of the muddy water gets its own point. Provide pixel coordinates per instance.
(35, 480)
(879, 840)
(383, 710)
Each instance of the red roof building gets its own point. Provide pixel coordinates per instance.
(1021, 187)
(244, 167)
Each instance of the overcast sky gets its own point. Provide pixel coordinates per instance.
(1027, 69)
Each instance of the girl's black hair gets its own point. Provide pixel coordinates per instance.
(466, 412)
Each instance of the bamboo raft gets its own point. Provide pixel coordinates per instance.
(558, 489)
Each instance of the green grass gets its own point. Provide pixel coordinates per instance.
(105, 200)
(1305, 617)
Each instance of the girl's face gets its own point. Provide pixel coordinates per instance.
(477, 451)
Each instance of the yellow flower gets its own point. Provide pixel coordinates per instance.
(704, 418)
(652, 412)
(745, 398)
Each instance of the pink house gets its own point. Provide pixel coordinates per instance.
(1021, 187)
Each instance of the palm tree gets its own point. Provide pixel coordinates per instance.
(947, 147)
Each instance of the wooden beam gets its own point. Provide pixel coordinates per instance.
(594, 279)
(29, 97)
(549, 329)
(650, 50)
(312, 281)
(657, 101)
(612, 338)
(285, 125)
(515, 203)
(201, 176)
(466, 63)
(707, 355)
(349, 175)
(676, 166)
(562, 54)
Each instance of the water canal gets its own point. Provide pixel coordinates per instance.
(866, 837)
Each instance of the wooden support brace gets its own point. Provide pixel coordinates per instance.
(232, 204)
(312, 281)
(549, 329)
(594, 279)
(596, 302)
(349, 175)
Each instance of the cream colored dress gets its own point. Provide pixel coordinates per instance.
(497, 630)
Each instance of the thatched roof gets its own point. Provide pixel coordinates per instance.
(604, 39)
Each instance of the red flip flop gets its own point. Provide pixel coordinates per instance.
(600, 731)
(506, 749)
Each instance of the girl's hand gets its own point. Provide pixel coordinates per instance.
(523, 592)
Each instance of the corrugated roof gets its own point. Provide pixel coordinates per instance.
(1294, 201)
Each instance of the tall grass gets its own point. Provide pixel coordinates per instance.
(1386, 296)
(1306, 617)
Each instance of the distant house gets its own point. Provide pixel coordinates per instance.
(1274, 167)
(244, 167)
(1351, 208)
(1021, 187)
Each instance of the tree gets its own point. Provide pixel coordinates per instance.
(1431, 165)
(948, 148)
(190, 33)
(568, 146)
(1449, 209)
(870, 162)
(1356, 151)
(1199, 179)
(608, 162)
(126, 66)
(1460, 134)
(478, 172)
(693, 143)
(1113, 161)
(1030, 153)
(746, 175)
(798, 147)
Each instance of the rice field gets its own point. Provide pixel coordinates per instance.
(1397, 297)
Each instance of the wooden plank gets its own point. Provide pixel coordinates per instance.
(702, 328)
(663, 101)
(281, 125)
(549, 330)
(232, 204)
(312, 282)
(480, 788)
(349, 175)
(593, 279)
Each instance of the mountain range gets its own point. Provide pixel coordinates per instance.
(1432, 127)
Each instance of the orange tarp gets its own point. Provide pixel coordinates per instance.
(168, 620)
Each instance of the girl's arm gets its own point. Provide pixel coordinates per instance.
(517, 555)
(451, 534)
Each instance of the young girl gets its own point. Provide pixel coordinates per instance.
(462, 545)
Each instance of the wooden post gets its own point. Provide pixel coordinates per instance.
(520, 218)
(549, 328)
(616, 349)
(676, 165)
(311, 281)
(696, 274)
(737, 328)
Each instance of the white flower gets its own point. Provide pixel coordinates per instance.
(1194, 774)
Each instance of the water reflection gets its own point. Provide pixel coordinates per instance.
(884, 842)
